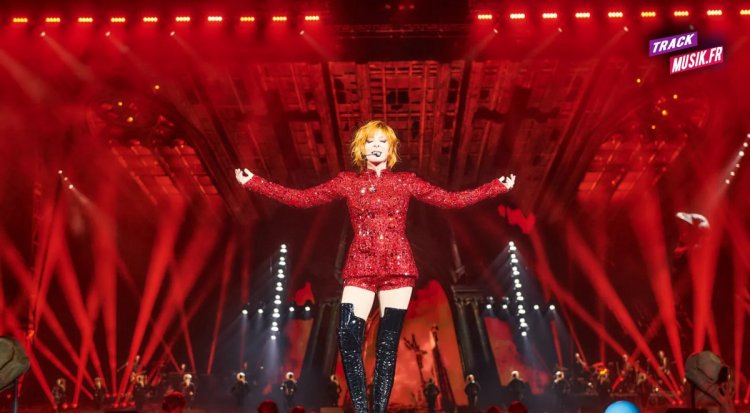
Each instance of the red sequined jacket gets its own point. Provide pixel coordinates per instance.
(377, 208)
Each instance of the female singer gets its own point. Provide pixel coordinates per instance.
(380, 258)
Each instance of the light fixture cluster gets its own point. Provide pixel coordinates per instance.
(738, 161)
(65, 181)
(273, 309)
(515, 305)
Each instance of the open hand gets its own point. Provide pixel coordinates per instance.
(243, 175)
(509, 181)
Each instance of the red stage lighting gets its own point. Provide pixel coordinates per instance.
(215, 19)
(517, 16)
(312, 18)
(714, 12)
(583, 15)
(681, 13)
(20, 20)
(615, 15)
(52, 20)
(648, 14)
(247, 19)
(484, 16)
(150, 19)
(182, 19)
(549, 16)
(85, 20)
(118, 20)
(279, 18)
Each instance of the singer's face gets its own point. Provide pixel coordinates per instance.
(377, 147)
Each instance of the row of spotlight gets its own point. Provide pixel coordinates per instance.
(312, 17)
(504, 306)
(611, 14)
(738, 161)
(150, 19)
(276, 311)
(280, 283)
(517, 290)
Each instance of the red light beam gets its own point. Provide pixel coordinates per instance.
(231, 249)
(163, 248)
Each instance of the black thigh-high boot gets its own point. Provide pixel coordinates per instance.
(389, 335)
(351, 334)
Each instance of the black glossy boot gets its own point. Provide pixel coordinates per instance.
(351, 334)
(389, 335)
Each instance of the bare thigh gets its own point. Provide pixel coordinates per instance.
(361, 300)
(396, 298)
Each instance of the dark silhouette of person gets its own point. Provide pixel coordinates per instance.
(431, 392)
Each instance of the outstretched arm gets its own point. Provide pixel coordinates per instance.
(300, 198)
(434, 195)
